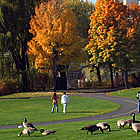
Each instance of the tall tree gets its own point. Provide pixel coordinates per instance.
(112, 33)
(82, 12)
(55, 38)
(16, 15)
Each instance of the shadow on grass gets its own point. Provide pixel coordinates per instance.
(16, 98)
(115, 130)
(94, 133)
(81, 112)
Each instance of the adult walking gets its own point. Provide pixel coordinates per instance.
(64, 101)
(138, 98)
(55, 97)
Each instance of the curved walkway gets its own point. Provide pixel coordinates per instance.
(128, 106)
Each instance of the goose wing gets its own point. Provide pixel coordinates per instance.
(47, 132)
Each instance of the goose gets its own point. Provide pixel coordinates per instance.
(92, 128)
(129, 122)
(28, 131)
(46, 132)
(135, 126)
(104, 126)
(121, 123)
(26, 124)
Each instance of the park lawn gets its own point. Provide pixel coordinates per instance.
(71, 131)
(39, 109)
(128, 93)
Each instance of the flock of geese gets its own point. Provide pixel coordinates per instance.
(135, 124)
(30, 128)
(121, 123)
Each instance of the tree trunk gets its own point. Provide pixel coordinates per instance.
(99, 75)
(111, 76)
(25, 83)
(54, 74)
(126, 76)
(21, 65)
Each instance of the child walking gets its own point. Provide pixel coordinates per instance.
(64, 101)
(55, 97)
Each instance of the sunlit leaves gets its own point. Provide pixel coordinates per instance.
(114, 31)
(54, 29)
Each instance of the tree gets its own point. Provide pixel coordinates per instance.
(5, 60)
(82, 12)
(55, 38)
(15, 17)
(111, 35)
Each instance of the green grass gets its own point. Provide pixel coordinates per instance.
(71, 131)
(129, 93)
(31, 94)
(39, 109)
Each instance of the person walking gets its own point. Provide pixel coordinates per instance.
(55, 103)
(64, 101)
(138, 98)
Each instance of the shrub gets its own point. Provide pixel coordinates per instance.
(41, 82)
(92, 84)
(8, 87)
(133, 82)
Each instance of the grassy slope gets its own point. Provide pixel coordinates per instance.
(39, 109)
(71, 131)
(129, 93)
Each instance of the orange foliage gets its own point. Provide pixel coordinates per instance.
(54, 29)
(112, 30)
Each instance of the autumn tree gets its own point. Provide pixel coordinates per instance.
(111, 35)
(55, 38)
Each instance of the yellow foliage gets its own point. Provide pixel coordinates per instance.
(110, 27)
(54, 29)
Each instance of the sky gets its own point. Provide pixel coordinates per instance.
(94, 1)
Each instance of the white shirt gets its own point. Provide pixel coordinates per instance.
(138, 96)
(65, 99)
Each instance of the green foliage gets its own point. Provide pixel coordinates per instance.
(83, 11)
(15, 18)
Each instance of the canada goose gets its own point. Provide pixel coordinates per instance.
(46, 132)
(92, 128)
(28, 131)
(26, 124)
(121, 123)
(135, 126)
(129, 122)
(104, 126)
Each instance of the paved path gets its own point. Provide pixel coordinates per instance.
(128, 106)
